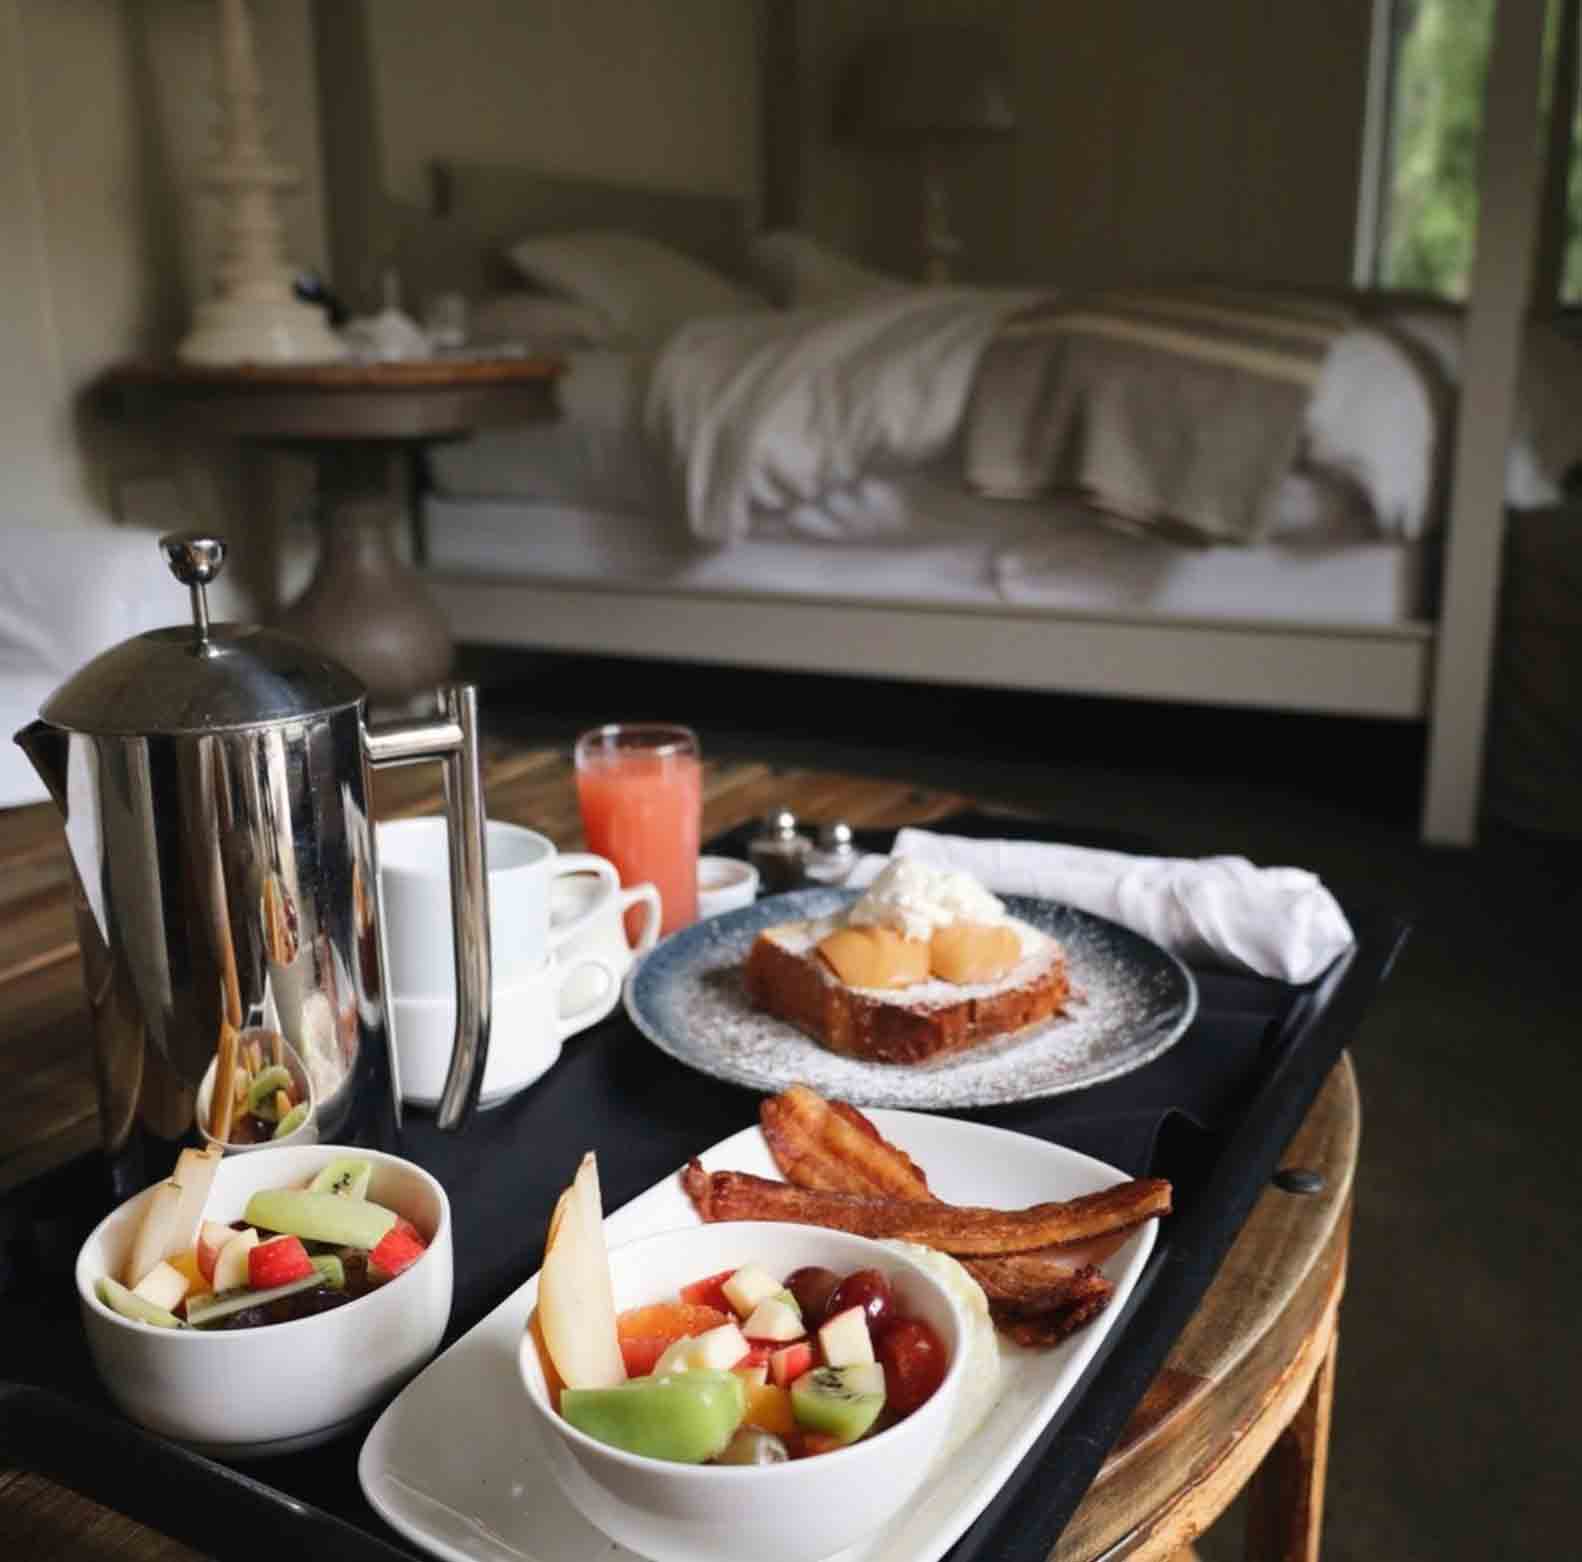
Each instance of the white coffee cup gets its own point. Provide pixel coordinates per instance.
(595, 924)
(529, 1026)
(414, 884)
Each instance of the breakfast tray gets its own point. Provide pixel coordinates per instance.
(1214, 1115)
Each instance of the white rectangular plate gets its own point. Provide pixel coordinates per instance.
(454, 1466)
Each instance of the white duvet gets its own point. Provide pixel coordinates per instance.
(784, 416)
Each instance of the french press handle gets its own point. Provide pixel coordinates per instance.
(452, 738)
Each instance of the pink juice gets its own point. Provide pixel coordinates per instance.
(644, 811)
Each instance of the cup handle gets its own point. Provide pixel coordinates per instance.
(645, 895)
(582, 862)
(596, 1009)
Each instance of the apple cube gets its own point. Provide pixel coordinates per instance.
(164, 1286)
(397, 1250)
(749, 1286)
(773, 1319)
(230, 1268)
(212, 1236)
(845, 1340)
(720, 1348)
(278, 1261)
(788, 1364)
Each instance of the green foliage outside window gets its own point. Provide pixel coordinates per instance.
(1430, 207)
(1436, 120)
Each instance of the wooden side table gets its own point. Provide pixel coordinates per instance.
(365, 426)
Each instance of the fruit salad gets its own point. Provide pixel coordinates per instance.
(743, 1367)
(295, 1252)
(260, 1093)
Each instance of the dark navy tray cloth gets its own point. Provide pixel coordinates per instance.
(1213, 1114)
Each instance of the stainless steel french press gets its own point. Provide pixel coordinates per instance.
(214, 781)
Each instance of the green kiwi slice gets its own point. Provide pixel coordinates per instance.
(261, 1093)
(117, 1298)
(841, 1402)
(345, 1175)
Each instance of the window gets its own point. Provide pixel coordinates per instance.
(1419, 206)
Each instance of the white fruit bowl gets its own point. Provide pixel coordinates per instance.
(248, 1393)
(794, 1512)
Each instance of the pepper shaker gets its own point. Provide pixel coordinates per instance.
(831, 861)
(779, 852)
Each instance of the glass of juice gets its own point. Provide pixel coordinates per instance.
(640, 786)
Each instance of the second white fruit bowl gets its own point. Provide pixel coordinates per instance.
(793, 1512)
(246, 1393)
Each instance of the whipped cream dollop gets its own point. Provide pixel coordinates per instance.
(914, 899)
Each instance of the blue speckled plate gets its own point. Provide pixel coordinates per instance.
(1132, 1000)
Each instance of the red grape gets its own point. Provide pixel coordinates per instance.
(812, 1287)
(913, 1359)
(867, 1289)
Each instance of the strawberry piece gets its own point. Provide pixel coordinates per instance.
(397, 1250)
(278, 1261)
(403, 1224)
(709, 1292)
(757, 1356)
(644, 1333)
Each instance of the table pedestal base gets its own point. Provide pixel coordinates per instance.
(367, 608)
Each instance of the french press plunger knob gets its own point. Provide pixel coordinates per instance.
(195, 559)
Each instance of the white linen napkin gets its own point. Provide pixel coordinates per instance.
(1279, 922)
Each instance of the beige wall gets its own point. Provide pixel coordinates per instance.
(1223, 136)
(647, 93)
(106, 116)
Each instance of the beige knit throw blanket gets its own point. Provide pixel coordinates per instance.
(1174, 410)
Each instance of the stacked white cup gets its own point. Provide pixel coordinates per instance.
(550, 980)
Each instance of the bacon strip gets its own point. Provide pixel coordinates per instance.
(953, 1228)
(833, 1147)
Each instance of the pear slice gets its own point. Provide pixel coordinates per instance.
(170, 1219)
(576, 1302)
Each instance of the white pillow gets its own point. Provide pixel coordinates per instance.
(641, 287)
(799, 272)
(536, 320)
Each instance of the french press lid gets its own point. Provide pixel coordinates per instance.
(203, 676)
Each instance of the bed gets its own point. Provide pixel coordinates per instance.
(573, 536)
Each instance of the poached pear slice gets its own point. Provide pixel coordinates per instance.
(687, 1417)
(320, 1217)
(841, 1402)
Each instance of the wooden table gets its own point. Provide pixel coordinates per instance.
(1244, 1397)
(365, 426)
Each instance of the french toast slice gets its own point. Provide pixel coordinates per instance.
(786, 976)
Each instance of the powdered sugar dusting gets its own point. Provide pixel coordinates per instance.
(1131, 1000)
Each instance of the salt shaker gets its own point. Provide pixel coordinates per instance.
(779, 852)
(831, 861)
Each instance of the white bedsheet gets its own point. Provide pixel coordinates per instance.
(951, 549)
(68, 592)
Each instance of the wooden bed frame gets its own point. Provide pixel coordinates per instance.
(1437, 673)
